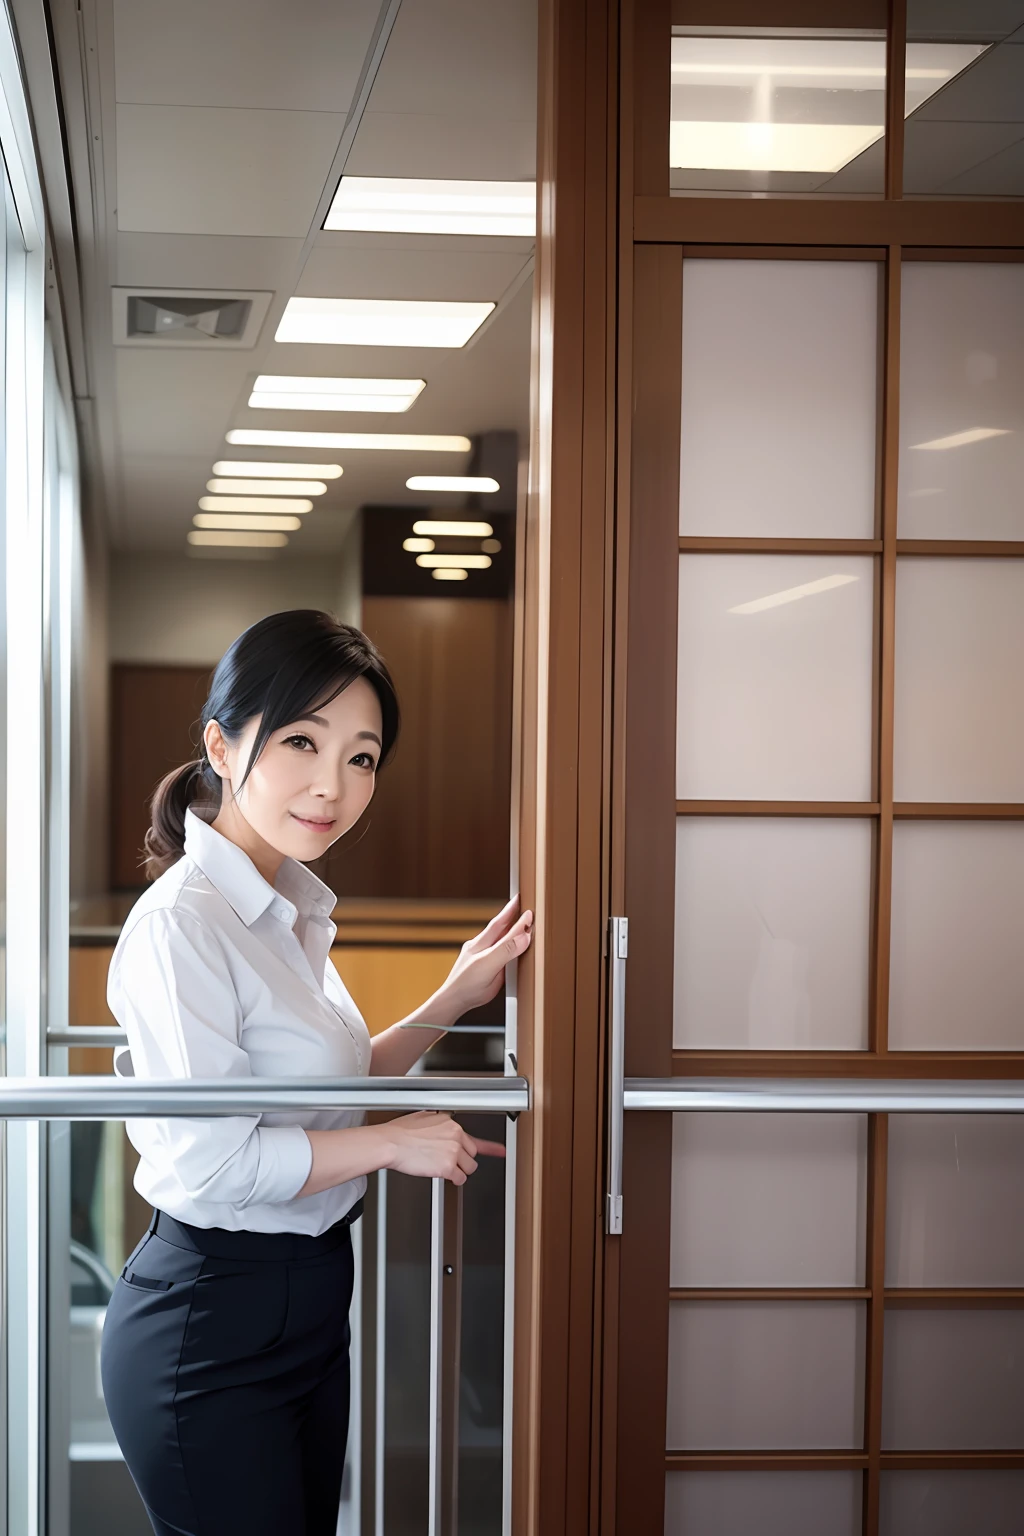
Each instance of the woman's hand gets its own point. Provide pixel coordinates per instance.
(431, 1145)
(478, 973)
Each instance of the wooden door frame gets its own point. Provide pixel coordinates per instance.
(600, 534)
(662, 230)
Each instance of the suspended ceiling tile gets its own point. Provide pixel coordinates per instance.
(478, 57)
(305, 55)
(936, 153)
(177, 401)
(990, 91)
(222, 171)
(375, 271)
(1000, 176)
(205, 261)
(980, 20)
(445, 146)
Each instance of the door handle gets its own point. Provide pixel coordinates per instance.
(618, 947)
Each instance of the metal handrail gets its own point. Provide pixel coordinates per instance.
(107, 1098)
(832, 1094)
(113, 1034)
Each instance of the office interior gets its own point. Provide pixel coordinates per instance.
(646, 379)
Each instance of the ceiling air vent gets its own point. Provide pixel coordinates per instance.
(187, 317)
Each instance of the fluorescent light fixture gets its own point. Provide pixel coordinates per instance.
(822, 147)
(418, 546)
(432, 528)
(381, 322)
(482, 483)
(286, 392)
(421, 207)
(254, 504)
(793, 594)
(491, 546)
(445, 574)
(454, 562)
(240, 540)
(279, 471)
(267, 487)
(961, 439)
(242, 520)
(386, 442)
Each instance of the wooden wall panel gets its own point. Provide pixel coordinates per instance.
(438, 826)
(152, 710)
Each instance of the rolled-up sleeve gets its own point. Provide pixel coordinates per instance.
(177, 1003)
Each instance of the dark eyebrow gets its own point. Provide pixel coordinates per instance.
(360, 735)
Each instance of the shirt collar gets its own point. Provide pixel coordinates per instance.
(236, 877)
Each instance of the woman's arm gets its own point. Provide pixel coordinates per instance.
(475, 978)
(428, 1145)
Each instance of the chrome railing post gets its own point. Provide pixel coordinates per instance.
(434, 1523)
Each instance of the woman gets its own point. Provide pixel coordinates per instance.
(225, 1347)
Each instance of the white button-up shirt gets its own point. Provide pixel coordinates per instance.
(217, 973)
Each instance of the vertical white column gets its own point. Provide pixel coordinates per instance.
(435, 1447)
(26, 947)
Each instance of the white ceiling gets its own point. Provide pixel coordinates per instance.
(220, 123)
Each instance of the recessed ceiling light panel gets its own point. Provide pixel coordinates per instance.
(381, 322)
(254, 504)
(387, 442)
(243, 521)
(228, 487)
(426, 207)
(475, 483)
(286, 392)
(454, 562)
(276, 471)
(239, 540)
(440, 528)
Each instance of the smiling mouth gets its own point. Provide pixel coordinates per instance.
(312, 821)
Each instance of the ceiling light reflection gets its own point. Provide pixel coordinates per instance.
(793, 594)
(961, 439)
(441, 528)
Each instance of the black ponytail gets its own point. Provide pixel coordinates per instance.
(281, 668)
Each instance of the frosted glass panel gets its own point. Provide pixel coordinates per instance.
(779, 398)
(953, 1380)
(768, 1199)
(955, 1206)
(765, 1375)
(772, 933)
(952, 1504)
(957, 982)
(959, 681)
(768, 1503)
(962, 399)
(775, 677)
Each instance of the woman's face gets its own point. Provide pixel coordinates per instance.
(314, 778)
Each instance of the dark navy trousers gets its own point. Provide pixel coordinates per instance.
(225, 1369)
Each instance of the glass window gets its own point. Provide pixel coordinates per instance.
(768, 1200)
(779, 398)
(959, 721)
(955, 1201)
(953, 1380)
(770, 1503)
(965, 99)
(765, 1375)
(956, 982)
(962, 400)
(772, 932)
(775, 113)
(941, 1503)
(775, 677)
